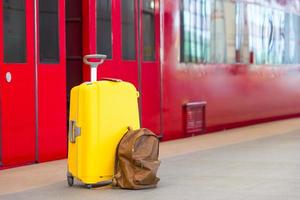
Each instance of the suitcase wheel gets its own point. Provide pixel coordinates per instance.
(70, 180)
(89, 186)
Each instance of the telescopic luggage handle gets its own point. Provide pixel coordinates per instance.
(94, 60)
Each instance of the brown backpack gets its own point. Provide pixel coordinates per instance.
(137, 160)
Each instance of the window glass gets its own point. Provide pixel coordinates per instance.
(128, 30)
(48, 27)
(198, 31)
(273, 35)
(184, 31)
(229, 9)
(148, 30)
(207, 31)
(292, 39)
(14, 31)
(192, 30)
(104, 37)
(216, 31)
(241, 39)
(222, 32)
(205, 28)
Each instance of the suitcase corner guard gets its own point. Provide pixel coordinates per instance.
(74, 131)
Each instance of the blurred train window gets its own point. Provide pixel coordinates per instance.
(216, 31)
(195, 29)
(148, 30)
(14, 26)
(241, 37)
(104, 38)
(229, 12)
(128, 30)
(273, 36)
(207, 31)
(292, 39)
(48, 35)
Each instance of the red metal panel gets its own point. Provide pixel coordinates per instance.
(52, 133)
(150, 80)
(17, 100)
(194, 118)
(235, 94)
(88, 32)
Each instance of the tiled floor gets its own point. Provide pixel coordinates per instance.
(255, 162)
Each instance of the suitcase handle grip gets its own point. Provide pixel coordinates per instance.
(94, 60)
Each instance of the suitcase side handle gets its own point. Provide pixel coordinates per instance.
(94, 60)
(74, 131)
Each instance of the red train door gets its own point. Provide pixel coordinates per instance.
(127, 32)
(32, 81)
(149, 64)
(51, 80)
(17, 82)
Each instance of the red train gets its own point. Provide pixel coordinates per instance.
(198, 64)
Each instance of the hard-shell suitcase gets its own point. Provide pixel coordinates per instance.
(100, 112)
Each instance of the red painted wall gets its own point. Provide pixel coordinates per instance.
(235, 94)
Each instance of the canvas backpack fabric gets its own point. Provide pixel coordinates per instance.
(137, 160)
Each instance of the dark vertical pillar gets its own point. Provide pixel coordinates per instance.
(73, 44)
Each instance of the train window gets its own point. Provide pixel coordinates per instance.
(241, 37)
(128, 30)
(193, 46)
(207, 31)
(148, 30)
(291, 53)
(104, 38)
(218, 31)
(14, 31)
(273, 35)
(48, 31)
(229, 31)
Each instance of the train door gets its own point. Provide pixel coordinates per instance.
(114, 33)
(149, 64)
(51, 80)
(127, 32)
(17, 81)
(32, 81)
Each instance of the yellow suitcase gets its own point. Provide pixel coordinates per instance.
(100, 112)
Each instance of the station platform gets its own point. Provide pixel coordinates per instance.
(258, 162)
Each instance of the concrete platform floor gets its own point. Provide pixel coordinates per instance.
(258, 162)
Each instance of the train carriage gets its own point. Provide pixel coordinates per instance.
(200, 65)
